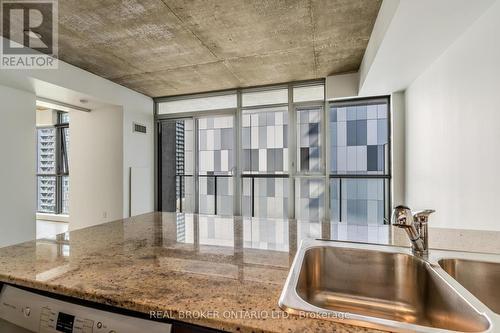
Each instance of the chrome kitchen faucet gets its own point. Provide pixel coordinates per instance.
(415, 225)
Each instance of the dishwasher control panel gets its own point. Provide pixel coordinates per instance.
(42, 314)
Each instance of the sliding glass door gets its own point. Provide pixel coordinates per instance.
(197, 160)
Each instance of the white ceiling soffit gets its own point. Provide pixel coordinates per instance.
(56, 105)
(408, 36)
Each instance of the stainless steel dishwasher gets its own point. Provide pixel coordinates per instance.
(23, 311)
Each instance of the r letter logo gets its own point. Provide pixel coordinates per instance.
(30, 34)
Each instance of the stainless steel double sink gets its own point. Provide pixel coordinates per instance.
(386, 287)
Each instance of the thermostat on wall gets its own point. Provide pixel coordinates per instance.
(140, 128)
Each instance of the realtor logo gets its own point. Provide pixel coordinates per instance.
(30, 34)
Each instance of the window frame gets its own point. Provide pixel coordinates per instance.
(61, 164)
(387, 177)
(293, 173)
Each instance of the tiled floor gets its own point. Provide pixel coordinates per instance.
(48, 229)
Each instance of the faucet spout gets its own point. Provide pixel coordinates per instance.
(415, 225)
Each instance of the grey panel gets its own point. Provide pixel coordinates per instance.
(210, 185)
(372, 158)
(380, 212)
(270, 118)
(362, 211)
(380, 158)
(270, 160)
(350, 188)
(351, 133)
(361, 133)
(217, 139)
(262, 119)
(227, 138)
(314, 135)
(304, 188)
(278, 159)
(202, 139)
(351, 211)
(351, 113)
(333, 160)
(333, 134)
(361, 112)
(217, 160)
(381, 131)
(304, 159)
(270, 187)
(262, 135)
(304, 117)
(262, 187)
(222, 186)
(210, 123)
(314, 153)
(255, 159)
(245, 137)
(362, 188)
(285, 136)
(333, 114)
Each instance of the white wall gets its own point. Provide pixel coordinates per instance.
(17, 166)
(407, 38)
(70, 84)
(96, 167)
(453, 131)
(138, 151)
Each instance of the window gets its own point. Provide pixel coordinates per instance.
(53, 167)
(264, 137)
(359, 173)
(280, 152)
(309, 139)
(216, 164)
(226, 101)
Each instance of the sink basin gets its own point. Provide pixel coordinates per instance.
(376, 286)
(481, 278)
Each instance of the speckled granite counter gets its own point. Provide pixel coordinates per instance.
(177, 263)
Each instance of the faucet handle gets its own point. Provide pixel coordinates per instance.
(422, 216)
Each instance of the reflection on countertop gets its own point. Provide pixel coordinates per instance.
(177, 262)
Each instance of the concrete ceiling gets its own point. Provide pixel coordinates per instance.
(170, 47)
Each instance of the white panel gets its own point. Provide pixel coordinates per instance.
(224, 164)
(210, 140)
(342, 133)
(309, 93)
(278, 137)
(341, 114)
(278, 118)
(246, 120)
(371, 138)
(139, 189)
(262, 159)
(342, 158)
(266, 97)
(351, 158)
(254, 134)
(198, 104)
(361, 158)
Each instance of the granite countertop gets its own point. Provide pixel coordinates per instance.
(180, 264)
